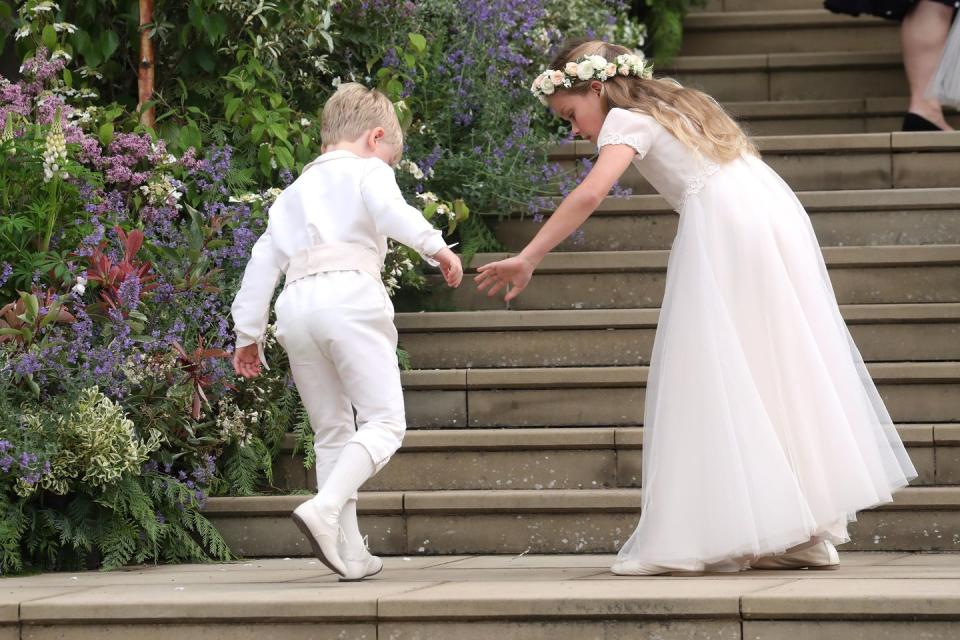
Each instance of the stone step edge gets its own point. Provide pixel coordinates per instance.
(587, 319)
(656, 259)
(818, 144)
(820, 60)
(810, 109)
(772, 19)
(943, 372)
(848, 201)
(520, 439)
(471, 502)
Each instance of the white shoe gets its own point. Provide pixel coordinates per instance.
(627, 569)
(321, 534)
(822, 555)
(358, 570)
(360, 563)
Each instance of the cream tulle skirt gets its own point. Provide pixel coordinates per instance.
(762, 425)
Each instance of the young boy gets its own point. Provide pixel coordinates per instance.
(327, 232)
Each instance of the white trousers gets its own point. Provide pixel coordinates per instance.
(337, 328)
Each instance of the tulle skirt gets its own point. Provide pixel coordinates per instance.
(762, 425)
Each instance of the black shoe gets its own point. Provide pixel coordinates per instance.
(914, 122)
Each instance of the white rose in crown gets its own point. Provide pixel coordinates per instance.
(570, 69)
(599, 62)
(547, 86)
(585, 69)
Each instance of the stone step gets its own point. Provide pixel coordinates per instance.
(835, 162)
(617, 337)
(544, 521)
(714, 6)
(875, 596)
(840, 218)
(571, 458)
(821, 117)
(793, 76)
(635, 279)
(771, 31)
(614, 396)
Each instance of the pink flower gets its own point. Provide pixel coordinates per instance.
(611, 70)
(624, 70)
(556, 77)
(571, 68)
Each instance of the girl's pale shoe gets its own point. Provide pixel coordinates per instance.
(628, 569)
(322, 536)
(822, 555)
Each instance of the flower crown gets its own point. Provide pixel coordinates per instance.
(590, 68)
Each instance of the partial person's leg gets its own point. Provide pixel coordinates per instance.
(922, 37)
(366, 360)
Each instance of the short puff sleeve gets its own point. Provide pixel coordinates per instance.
(622, 126)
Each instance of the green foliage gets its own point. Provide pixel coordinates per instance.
(83, 500)
(664, 19)
(96, 443)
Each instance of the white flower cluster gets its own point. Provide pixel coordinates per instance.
(162, 192)
(233, 422)
(81, 285)
(55, 154)
(266, 198)
(7, 135)
(396, 264)
(590, 68)
(45, 5)
(412, 168)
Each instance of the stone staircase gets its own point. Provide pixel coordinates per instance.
(526, 423)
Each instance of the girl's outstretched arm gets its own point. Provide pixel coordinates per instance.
(572, 212)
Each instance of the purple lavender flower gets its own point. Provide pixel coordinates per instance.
(128, 292)
(5, 274)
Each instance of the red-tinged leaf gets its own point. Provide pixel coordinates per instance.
(214, 353)
(196, 407)
(180, 350)
(133, 243)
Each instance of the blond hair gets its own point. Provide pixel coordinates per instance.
(355, 109)
(693, 117)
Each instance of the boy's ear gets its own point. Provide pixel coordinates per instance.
(377, 133)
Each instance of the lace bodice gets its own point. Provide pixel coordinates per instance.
(674, 170)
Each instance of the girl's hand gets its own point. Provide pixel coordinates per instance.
(515, 271)
(246, 361)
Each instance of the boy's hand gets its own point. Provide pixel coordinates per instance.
(246, 361)
(450, 267)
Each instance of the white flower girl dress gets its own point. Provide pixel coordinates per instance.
(762, 426)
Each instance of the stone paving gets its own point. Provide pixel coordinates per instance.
(872, 595)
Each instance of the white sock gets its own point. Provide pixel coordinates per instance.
(354, 467)
(353, 539)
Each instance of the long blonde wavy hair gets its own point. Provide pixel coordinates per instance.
(693, 117)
